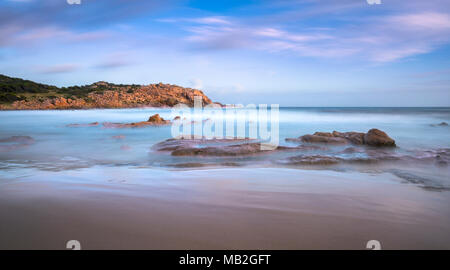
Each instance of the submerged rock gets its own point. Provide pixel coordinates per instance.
(313, 160)
(18, 139)
(351, 150)
(322, 139)
(425, 182)
(94, 124)
(15, 142)
(442, 124)
(125, 147)
(221, 147)
(226, 150)
(119, 137)
(154, 120)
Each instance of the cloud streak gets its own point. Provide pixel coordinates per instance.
(56, 69)
(378, 39)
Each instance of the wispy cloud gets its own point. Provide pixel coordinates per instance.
(65, 68)
(196, 83)
(115, 60)
(379, 39)
(21, 37)
(113, 63)
(45, 20)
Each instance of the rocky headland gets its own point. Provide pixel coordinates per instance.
(18, 94)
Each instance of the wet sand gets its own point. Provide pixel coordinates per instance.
(242, 208)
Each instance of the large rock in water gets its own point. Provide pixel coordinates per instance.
(376, 137)
(156, 119)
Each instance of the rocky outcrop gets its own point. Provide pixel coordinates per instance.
(376, 137)
(373, 137)
(154, 120)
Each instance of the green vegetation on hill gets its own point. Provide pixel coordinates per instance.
(14, 89)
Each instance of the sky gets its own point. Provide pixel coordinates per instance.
(288, 52)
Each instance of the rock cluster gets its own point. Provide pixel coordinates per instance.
(373, 137)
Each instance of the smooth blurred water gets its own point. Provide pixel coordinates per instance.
(61, 147)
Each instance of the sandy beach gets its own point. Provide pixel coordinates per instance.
(104, 208)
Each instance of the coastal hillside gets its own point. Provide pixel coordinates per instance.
(19, 94)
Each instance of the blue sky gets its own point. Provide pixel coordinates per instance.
(290, 52)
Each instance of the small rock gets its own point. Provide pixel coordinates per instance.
(190, 147)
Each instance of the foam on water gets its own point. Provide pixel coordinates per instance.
(60, 147)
